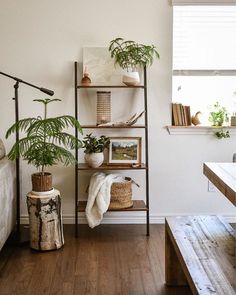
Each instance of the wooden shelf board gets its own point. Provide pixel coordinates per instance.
(110, 86)
(198, 130)
(138, 205)
(112, 127)
(84, 166)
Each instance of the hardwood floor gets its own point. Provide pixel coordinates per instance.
(110, 259)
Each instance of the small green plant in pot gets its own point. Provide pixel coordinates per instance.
(130, 55)
(45, 144)
(94, 148)
(218, 116)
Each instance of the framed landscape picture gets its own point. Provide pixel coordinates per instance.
(125, 150)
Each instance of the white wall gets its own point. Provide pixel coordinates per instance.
(40, 40)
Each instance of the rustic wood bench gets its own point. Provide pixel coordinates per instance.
(200, 252)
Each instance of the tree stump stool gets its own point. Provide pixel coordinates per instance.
(45, 220)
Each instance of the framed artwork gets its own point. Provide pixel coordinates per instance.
(125, 150)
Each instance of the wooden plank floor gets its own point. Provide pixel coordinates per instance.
(110, 259)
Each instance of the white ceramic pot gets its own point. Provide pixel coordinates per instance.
(94, 160)
(131, 78)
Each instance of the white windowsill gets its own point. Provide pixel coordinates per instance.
(198, 130)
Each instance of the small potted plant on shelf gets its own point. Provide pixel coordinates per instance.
(94, 148)
(45, 144)
(218, 116)
(130, 55)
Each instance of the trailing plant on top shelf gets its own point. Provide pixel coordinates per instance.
(45, 144)
(129, 55)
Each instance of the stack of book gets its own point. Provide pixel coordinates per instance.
(181, 115)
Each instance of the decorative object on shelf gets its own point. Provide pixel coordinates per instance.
(196, 119)
(100, 66)
(86, 81)
(94, 160)
(233, 120)
(45, 218)
(131, 121)
(125, 150)
(219, 115)
(129, 55)
(103, 107)
(94, 148)
(43, 144)
(121, 194)
(131, 78)
(181, 115)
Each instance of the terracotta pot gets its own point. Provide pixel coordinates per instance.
(41, 182)
(94, 160)
(131, 78)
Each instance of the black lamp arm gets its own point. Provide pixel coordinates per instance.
(45, 90)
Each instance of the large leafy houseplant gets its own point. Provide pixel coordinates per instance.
(46, 143)
(130, 55)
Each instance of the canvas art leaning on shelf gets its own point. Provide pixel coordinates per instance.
(125, 150)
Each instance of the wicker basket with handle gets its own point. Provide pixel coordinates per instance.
(121, 194)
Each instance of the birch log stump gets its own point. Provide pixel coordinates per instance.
(46, 231)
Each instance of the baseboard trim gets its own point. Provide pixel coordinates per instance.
(122, 218)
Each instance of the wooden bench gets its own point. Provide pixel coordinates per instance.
(200, 252)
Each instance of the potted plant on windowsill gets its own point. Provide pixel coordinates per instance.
(94, 148)
(130, 55)
(45, 144)
(218, 116)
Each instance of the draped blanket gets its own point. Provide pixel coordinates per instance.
(99, 195)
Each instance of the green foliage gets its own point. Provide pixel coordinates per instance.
(92, 144)
(45, 143)
(129, 54)
(218, 115)
(222, 134)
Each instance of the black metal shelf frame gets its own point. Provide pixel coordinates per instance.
(144, 87)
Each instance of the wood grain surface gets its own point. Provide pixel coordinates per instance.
(205, 249)
(223, 176)
(108, 260)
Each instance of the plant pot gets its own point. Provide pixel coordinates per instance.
(94, 160)
(41, 182)
(131, 78)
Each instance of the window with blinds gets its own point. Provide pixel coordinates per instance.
(204, 56)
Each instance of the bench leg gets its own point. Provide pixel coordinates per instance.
(173, 270)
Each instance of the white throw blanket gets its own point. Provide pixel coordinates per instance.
(99, 196)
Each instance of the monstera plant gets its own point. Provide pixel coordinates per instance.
(46, 144)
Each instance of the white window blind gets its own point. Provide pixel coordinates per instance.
(203, 2)
(204, 39)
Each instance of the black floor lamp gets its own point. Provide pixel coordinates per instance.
(15, 98)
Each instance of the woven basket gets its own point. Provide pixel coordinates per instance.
(121, 194)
